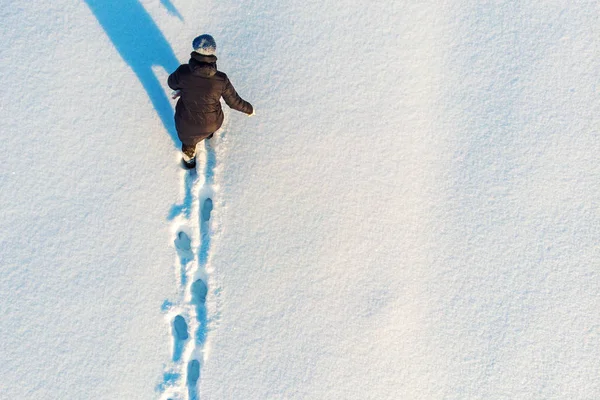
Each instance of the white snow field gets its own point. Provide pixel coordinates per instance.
(413, 213)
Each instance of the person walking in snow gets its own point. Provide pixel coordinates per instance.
(200, 86)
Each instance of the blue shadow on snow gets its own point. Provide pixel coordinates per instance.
(169, 379)
(142, 45)
(171, 8)
(185, 207)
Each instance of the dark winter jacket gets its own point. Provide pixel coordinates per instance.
(198, 113)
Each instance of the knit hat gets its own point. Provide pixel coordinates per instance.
(205, 45)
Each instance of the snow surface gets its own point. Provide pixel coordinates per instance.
(414, 213)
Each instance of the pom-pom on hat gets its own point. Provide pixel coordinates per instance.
(205, 45)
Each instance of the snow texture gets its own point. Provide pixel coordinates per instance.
(414, 213)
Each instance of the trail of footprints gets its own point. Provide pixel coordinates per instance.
(189, 319)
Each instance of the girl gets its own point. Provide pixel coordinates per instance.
(200, 86)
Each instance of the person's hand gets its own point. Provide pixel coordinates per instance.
(175, 94)
(253, 113)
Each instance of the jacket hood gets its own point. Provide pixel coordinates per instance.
(203, 65)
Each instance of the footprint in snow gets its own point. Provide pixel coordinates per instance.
(183, 244)
(180, 335)
(207, 207)
(180, 327)
(199, 291)
(193, 373)
(183, 241)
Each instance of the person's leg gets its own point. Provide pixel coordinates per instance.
(188, 151)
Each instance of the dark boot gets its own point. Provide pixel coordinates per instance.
(191, 164)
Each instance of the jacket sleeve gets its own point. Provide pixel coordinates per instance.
(234, 100)
(174, 80)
